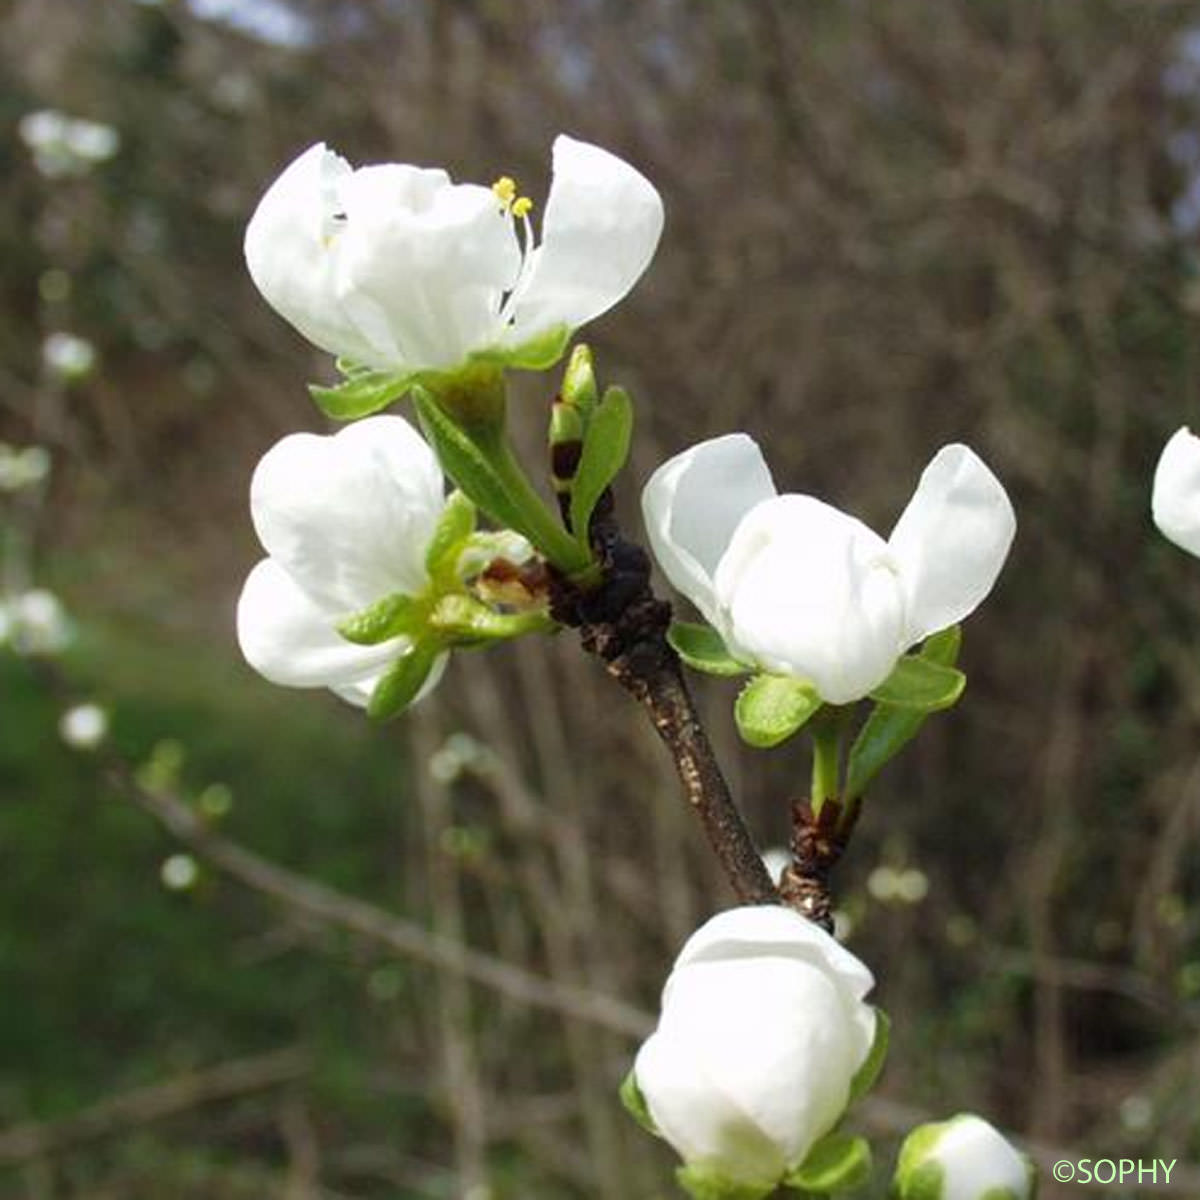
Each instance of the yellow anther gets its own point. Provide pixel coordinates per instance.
(505, 190)
(521, 207)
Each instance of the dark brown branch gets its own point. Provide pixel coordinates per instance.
(624, 625)
(817, 844)
(129, 1110)
(329, 906)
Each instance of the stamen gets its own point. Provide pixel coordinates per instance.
(505, 190)
(521, 207)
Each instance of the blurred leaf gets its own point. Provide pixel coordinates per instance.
(404, 679)
(921, 684)
(635, 1103)
(384, 620)
(866, 1075)
(363, 393)
(455, 525)
(838, 1162)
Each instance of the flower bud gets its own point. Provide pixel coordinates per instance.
(964, 1158)
(762, 1034)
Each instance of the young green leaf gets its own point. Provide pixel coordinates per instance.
(466, 463)
(771, 708)
(456, 524)
(605, 449)
(890, 728)
(701, 647)
(383, 620)
(836, 1163)
(920, 683)
(403, 681)
(362, 393)
(464, 621)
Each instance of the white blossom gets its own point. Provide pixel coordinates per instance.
(1175, 502)
(797, 587)
(66, 146)
(346, 521)
(34, 622)
(84, 726)
(67, 356)
(763, 1028)
(964, 1158)
(395, 267)
(22, 466)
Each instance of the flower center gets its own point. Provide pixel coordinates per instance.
(505, 189)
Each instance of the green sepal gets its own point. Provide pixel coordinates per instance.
(539, 353)
(363, 391)
(917, 682)
(702, 1183)
(890, 728)
(454, 526)
(635, 1103)
(771, 708)
(703, 649)
(465, 463)
(385, 619)
(866, 1075)
(605, 449)
(404, 679)
(836, 1163)
(463, 621)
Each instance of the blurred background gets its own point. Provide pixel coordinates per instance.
(234, 967)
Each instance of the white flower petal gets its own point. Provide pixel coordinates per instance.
(807, 590)
(951, 540)
(292, 641)
(766, 929)
(349, 516)
(1176, 499)
(423, 264)
(692, 505)
(290, 252)
(601, 227)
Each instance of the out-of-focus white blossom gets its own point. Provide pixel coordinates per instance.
(179, 872)
(22, 466)
(903, 885)
(69, 357)
(34, 622)
(964, 1158)
(1175, 498)
(763, 1029)
(84, 726)
(397, 268)
(64, 146)
(797, 587)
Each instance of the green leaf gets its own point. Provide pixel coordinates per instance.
(702, 648)
(605, 449)
(836, 1163)
(383, 620)
(635, 1103)
(362, 393)
(772, 707)
(404, 679)
(455, 525)
(539, 353)
(942, 648)
(866, 1075)
(702, 1183)
(467, 464)
(920, 683)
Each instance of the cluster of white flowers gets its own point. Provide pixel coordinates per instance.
(22, 467)
(64, 146)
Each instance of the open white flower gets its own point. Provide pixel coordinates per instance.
(797, 587)
(763, 1029)
(964, 1158)
(397, 268)
(346, 521)
(1175, 502)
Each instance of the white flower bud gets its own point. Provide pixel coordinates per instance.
(964, 1158)
(762, 1032)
